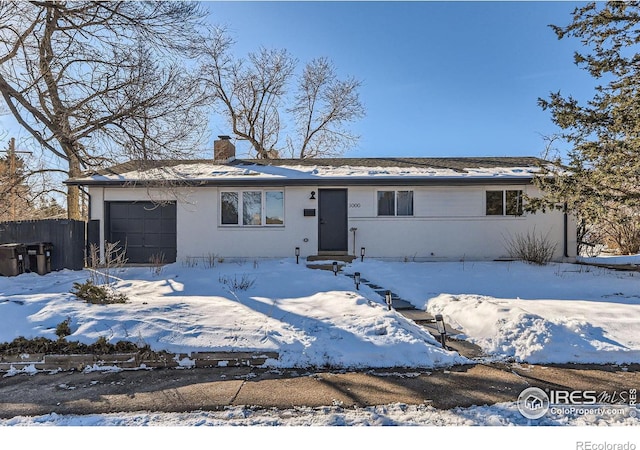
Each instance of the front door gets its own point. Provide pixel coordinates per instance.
(332, 223)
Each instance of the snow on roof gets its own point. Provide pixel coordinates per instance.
(314, 170)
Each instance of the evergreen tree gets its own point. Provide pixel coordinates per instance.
(600, 181)
(15, 194)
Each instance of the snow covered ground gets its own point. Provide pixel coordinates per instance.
(559, 313)
(537, 314)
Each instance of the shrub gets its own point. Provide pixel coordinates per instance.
(22, 345)
(99, 295)
(63, 329)
(531, 247)
(157, 263)
(114, 258)
(236, 284)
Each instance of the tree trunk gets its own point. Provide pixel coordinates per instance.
(73, 192)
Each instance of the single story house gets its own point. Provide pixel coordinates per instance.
(401, 208)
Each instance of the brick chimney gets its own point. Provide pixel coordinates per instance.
(223, 149)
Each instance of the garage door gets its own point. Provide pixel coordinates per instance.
(145, 229)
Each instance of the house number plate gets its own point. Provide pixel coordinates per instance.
(354, 205)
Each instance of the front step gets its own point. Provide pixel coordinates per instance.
(333, 257)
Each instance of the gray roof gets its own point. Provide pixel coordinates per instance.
(319, 171)
(457, 164)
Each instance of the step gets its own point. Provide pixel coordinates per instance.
(332, 257)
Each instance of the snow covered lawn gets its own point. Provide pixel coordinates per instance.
(559, 313)
(551, 314)
(310, 317)
(556, 313)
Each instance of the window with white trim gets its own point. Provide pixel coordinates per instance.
(395, 203)
(252, 208)
(504, 203)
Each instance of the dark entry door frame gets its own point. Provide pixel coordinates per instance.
(332, 221)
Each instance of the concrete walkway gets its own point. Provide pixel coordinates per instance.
(427, 321)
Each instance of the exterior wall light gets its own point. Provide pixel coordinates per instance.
(356, 279)
(313, 195)
(335, 268)
(361, 253)
(387, 299)
(297, 254)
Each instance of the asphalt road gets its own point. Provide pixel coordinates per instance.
(179, 390)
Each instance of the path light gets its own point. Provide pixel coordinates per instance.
(297, 254)
(387, 298)
(442, 329)
(361, 253)
(356, 278)
(335, 268)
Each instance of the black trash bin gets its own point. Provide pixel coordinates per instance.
(13, 259)
(40, 257)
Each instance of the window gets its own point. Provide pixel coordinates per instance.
(513, 203)
(501, 203)
(229, 202)
(405, 203)
(395, 203)
(256, 208)
(274, 207)
(252, 208)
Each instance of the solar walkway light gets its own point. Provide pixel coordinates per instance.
(361, 254)
(335, 268)
(387, 298)
(356, 279)
(442, 329)
(297, 254)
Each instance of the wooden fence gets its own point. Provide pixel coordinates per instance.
(67, 236)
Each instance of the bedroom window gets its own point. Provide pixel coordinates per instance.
(504, 203)
(395, 203)
(252, 208)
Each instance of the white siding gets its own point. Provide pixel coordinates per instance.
(451, 202)
(448, 224)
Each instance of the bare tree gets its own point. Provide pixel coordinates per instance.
(96, 82)
(257, 96)
(323, 105)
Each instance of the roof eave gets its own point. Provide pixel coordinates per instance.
(334, 181)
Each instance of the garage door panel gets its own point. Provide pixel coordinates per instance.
(135, 226)
(168, 213)
(118, 237)
(152, 226)
(136, 255)
(119, 225)
(119, 209)
(136, 211)
(152, 212)
(154, 240)
(168, 226)
(135, 240)
(145, 228)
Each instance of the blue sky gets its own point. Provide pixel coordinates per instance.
(439, 78)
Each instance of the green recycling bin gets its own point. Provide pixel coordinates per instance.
(13, 259)
(40, 257)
